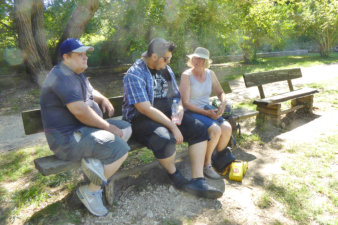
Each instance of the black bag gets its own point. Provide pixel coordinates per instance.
(220, 160)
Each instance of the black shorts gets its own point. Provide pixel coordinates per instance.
(161, 141)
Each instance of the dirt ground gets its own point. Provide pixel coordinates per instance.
(155, 201)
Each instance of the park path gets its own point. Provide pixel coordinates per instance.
(12, 135)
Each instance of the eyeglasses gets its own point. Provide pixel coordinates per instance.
(166, 59)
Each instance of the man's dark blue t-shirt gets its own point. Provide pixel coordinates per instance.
(61, 87)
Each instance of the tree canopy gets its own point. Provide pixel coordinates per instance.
(318, 19)
(121, 29)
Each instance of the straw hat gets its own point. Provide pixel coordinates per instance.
(200, 53)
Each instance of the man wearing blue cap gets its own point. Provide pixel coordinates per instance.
(74, 127)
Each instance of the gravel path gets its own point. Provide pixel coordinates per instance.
(12, 135)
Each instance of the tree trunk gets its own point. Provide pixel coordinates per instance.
(323, 47)
(31, 36)
(34, 63)
(75, 27)
(247, 49)
(39, 34)
(255, 49)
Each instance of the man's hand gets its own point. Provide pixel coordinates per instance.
(107, 107)
(156, 115)
(177, 134)
(115, 130)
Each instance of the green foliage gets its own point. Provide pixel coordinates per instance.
(120, 30)
(318, 19)
(257, 23)
(56, 15)
(246, 140)
(7, 27)
(33, 194)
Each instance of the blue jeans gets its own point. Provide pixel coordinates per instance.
(90, 142)
(207, 121)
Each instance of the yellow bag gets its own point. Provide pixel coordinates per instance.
(224, 172)
(237, 170)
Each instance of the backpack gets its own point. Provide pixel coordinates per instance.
(221, 160)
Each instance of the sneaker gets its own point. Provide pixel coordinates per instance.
(92, 200)
(178, 180)
(93, 169)
(200, 188)
(210, 172)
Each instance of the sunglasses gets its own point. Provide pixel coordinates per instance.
(166, 59)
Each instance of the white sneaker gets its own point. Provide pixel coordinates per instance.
(93, 168)
(210, 172)
(92, 200)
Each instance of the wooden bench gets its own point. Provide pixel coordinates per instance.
(269, 108)
(49, 165)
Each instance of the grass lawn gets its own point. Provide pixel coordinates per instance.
(24, 190)
(308, 191)
(235, 70)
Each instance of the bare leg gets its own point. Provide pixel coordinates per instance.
(126, 133)
(225, 136)
(109, 170)
(169, 163)
(197, 156)
(214, 133)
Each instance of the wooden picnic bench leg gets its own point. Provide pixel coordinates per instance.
(269, 113)
(307, 101)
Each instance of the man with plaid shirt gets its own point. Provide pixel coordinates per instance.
(149, 90)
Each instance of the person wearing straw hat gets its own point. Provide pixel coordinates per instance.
(196, 86)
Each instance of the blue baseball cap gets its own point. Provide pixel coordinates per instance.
(74, 45)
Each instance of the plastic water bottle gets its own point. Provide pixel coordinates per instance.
(174, 112)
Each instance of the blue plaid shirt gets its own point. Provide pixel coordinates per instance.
(138, 87)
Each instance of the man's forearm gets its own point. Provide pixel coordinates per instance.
(90, 118)
(155, 114)
(159, 117)
(98, 97)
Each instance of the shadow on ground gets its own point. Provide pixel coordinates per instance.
(267, 132)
